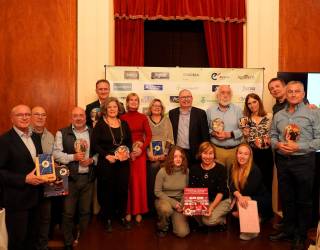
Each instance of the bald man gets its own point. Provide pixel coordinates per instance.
(80, 163)
(189, 124)
(38, 123)
(22, 188)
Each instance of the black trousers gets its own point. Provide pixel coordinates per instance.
(112, 190)
(263, 158)
(22, 228)
(295, 177)
(152, 170)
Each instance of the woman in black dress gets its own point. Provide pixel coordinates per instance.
(112, 141)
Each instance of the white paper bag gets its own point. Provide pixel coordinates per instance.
(3, 230)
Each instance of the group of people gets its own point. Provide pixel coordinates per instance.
(225, 149)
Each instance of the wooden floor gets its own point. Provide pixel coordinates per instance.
(143, 237)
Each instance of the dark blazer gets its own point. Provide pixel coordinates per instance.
(15, 163)
(198, 129)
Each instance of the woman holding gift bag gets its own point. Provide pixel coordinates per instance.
(112, 141)
(141, 137)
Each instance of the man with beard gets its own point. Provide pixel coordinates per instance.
(223, 119)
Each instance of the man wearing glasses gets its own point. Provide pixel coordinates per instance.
(189, 124)
(22, 189)
(295, 136)
(38, 122)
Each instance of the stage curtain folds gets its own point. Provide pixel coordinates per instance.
(223, 25)
(224, 44)
(129, 47)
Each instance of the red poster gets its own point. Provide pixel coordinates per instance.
(196, 201)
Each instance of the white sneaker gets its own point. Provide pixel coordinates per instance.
(248, 236)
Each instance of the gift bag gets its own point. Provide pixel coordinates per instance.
(3, 230)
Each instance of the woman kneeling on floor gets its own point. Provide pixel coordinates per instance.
(171, 180)
(212, 175)
(246, 184)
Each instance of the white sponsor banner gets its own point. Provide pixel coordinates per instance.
(165, 84)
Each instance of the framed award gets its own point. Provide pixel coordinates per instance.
(45, 167)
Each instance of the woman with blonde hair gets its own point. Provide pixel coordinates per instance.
(246, 184)
(141, 137)
(169, 185)
(162, 134)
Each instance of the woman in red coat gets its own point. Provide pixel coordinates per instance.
(141, 137)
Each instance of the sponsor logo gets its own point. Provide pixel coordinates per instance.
(153, 87)
(147, 99)
(174, 99)
(160, 75)
(249, 88)
(214, 88)
(217, 76)
(122, 86)
(246, 77)
(191, 74)
(131, 74)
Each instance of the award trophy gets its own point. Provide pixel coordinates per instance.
(292, 132)
(156, 148)
(95, 115)
(60, 186)
(122, 153)
(45, 167)
(244, 122)
(80, 145)
(217, 125)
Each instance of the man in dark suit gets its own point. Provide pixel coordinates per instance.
(190, 125)
(22, 189)
(93, 109)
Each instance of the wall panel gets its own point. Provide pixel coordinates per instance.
(299, 35)
(38, 58)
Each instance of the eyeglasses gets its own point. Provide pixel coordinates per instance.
(40, 114)
(189, 97)
(294, 91)
(23, 115)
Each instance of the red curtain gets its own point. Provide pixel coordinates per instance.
(224, 44)
(214, 10)
(129, 42)
(223, 24)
